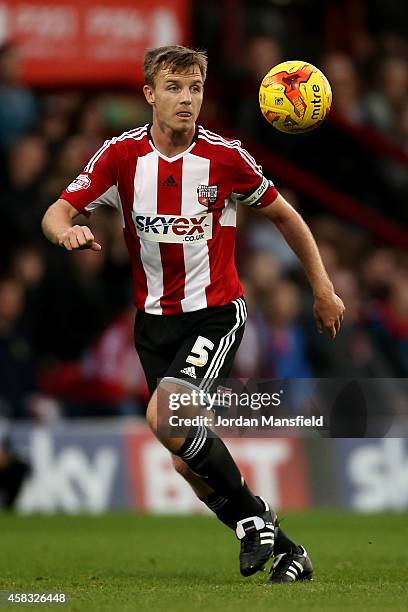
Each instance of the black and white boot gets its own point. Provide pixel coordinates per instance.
(257, 536)
(290, 567)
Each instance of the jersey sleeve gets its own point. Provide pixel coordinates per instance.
(96, 185)
(251, 187)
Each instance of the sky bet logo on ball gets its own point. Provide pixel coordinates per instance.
(173, 228)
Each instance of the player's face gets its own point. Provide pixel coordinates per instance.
(176, 98)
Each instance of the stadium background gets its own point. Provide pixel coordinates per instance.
(71, 386)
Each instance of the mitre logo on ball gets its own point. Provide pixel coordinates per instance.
(207, 194)
(295, 97)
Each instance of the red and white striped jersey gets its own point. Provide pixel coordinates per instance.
(178, 213)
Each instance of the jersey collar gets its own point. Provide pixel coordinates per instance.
(176, 157)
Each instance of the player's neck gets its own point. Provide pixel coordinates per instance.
(169, 142)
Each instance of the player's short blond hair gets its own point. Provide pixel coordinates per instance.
(174, 58)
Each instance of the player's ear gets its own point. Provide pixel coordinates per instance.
(149, 94)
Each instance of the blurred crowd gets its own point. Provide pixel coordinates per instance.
(66, 338)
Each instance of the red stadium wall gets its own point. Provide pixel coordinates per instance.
(90, 42)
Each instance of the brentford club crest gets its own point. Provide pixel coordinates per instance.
(207, 194)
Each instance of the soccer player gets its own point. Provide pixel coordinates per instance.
(176, 186)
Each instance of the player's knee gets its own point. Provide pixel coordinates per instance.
(181, 467)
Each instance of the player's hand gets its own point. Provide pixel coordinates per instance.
(78, 237)
(328, 311)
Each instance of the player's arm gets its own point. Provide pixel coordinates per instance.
(58, 227)
(328, 307)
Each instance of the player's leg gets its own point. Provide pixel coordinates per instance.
(210, 339)
(200, 488)
(286, 551)
(230, 499)
(232, 508)
(208, 457)
(207, 342)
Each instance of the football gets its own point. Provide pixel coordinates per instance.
(295, 97)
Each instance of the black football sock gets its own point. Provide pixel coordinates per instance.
(231, 510)
(215, 502)
(211, 460)
(284, 545)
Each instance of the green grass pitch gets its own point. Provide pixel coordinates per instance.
(123, 562)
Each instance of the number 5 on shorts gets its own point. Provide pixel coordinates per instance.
(199, 353)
